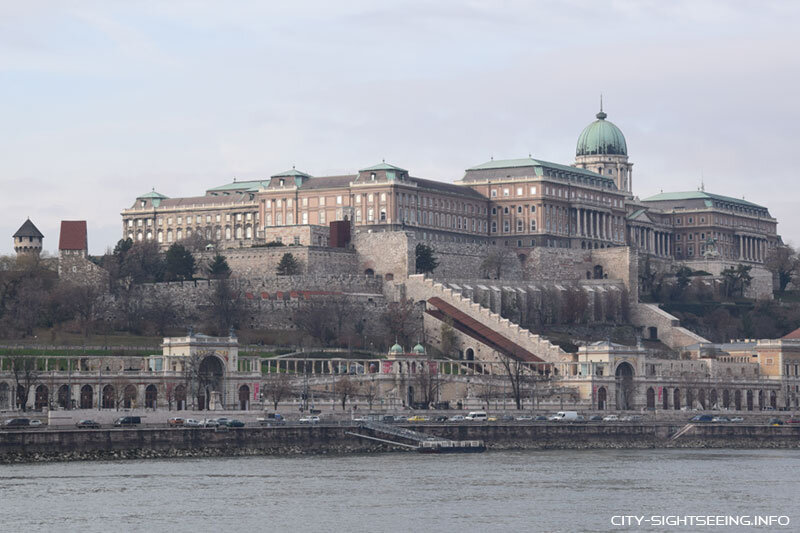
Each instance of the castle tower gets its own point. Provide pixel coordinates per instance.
(28, 240)
(602, 149)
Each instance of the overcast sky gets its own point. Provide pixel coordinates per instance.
(101, 101)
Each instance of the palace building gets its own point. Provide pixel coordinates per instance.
(520, 203)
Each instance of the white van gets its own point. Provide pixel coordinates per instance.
(476, 415)
(566, 416)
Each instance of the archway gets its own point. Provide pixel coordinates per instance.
(109, 397)
(602, 398)
(689, 399)
(712, 399)
(597, 272)
(676, 399)
(63, 397)
(180, 397)
(87, 397)
(761, 403)
(369, 272)
(737, 400)
(624, 386)
(42, 397)
(749, 400)
(726, 398)
(773, 399)
(470, 355)
(151, 397)
(701, 398)
(129, 396)
(665, 398)
(210, 380)
(5, 396)
(651, 398)
(244, 397)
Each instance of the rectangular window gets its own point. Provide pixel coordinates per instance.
(519, 191)
(370, 214)
(338, 200)
(383, 197)
(321, 200)
(305, 202)
(505, 192)
(533, 190)
(305, 217)
(493, 194)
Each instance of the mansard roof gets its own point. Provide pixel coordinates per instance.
(700, 195)
(514, 168)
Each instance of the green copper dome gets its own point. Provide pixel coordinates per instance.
(418, 349)
(601, 137)
(396, 349)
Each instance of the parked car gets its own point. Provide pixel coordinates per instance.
(87, 424)
(456, 418)
(722, 419)
(595, 418)
(525, 418)
(128, 421)
(418, 418)
(210, 423)
(477, 415)
(272, 419)
(175, 422)
(775, 422)
(566, 416)
(17, 423)
(233, 423)
(611, 418)
(309, 420)
(702, 418)
(737, 419)
(631, 418)
(506, 418)
(793, 421)
(34, 423)
(440, 418)
(192, 423)
(222, 421)
(541, 418)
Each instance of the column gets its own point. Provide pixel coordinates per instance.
(740, 247)
(583, 222)
(602, 219)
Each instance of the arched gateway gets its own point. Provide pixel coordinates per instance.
(624, 386)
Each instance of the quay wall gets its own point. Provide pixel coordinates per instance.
(73, 444)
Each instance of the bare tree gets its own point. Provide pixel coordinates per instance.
(226, 306)
(497, 262)
(369, 391)
(278, 387)
(486, 393)
(403, 320)
(345, 388)
(427, 381)
(784, 264)
(449, 337)
(25, 370)
(162, 312)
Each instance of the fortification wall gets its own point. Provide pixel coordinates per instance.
(74, 267)
(419, 289)
(389, 254)
(263, 262)
(668, 328)
(761, 286)
(271, 302)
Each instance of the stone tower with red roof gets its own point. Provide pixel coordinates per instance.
(73, 256)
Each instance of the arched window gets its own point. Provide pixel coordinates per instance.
(249, 232)
(228, 233)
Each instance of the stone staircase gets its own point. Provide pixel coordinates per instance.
(419, 288)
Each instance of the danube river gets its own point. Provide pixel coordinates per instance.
(494, 491)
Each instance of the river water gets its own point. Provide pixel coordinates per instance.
(494, 491)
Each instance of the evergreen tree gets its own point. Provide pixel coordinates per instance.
(426, 261)
(218, 268)
(180, 263)
(289, 266)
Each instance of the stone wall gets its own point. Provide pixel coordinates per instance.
(263, 262)
(271, 301)
(668, 329)
(761, 286)
(308, 235)
(389, 254)
(74, 267)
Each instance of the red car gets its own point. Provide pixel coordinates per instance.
(793, 421)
